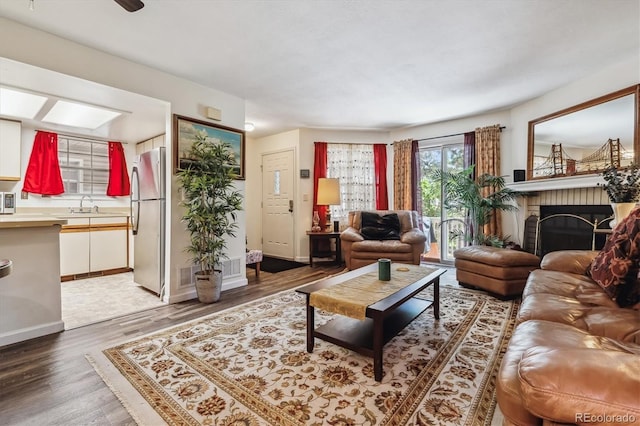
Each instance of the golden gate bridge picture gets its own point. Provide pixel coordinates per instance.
(559, 163)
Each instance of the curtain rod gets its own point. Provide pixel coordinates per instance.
(80, 137)
(352, 143)
(448, 136)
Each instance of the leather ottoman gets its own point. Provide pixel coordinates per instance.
(502, 272)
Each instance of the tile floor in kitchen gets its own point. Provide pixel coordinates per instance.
(96, 299)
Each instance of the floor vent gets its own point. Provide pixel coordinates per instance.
(230, 268)
(187, 275)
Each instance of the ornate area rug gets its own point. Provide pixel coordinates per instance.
(248, 366)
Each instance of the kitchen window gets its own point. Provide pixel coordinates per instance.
(84, 166)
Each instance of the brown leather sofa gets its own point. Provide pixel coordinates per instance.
(574, 357)
(359, 251)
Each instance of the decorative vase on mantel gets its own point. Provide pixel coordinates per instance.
(620, 212)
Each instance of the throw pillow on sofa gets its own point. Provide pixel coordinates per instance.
(616, 267)
(376, 227)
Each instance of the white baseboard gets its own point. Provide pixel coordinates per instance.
(27, 333)
(234, 283)
(181, 297)
(190, 292)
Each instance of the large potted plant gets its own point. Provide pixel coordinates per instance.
(211, 203)
(623, 188)
(477, 199)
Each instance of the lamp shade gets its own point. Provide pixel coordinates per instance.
(328, 191)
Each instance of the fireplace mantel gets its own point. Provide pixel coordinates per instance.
(552, 184)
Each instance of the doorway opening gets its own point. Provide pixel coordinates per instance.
(145, 119)
(439, 221)
(278, 204)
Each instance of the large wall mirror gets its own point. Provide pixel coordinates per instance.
(586, 138)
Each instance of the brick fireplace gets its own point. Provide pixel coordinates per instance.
(565, 232)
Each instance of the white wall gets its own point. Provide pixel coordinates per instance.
(302, 141)
(611, 78)
(41, 49)
(255, 150)
(513, 139)
(513, 145)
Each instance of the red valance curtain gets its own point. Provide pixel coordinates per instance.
(118, 174)
(380, 162)
(319, 171)
(43, 172)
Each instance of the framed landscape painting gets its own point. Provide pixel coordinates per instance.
(185, 130)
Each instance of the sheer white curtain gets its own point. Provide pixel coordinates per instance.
(353, 164)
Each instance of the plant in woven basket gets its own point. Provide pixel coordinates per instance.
(211, 203)
(622, 185)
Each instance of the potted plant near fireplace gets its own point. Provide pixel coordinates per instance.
(623, 188)
(477, 199)
(211, 203)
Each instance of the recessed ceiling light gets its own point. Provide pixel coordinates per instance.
(79, 115)
(249, 127)
(20, 104)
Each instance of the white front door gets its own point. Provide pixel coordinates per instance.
(277, 204)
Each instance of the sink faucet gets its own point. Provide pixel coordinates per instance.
(82, 199)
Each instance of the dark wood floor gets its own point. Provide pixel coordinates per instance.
(48, 381)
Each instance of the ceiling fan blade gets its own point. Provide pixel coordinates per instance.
(130, 5)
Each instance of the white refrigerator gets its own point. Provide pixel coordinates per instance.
(148, 219)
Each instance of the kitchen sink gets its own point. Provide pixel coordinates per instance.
(84, 210)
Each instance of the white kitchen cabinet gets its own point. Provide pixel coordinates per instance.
(149, 144)
(10, 143)
(93, 245)
(74, 247)
(109, 247)
(158, 141)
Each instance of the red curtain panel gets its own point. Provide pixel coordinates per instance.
(319, 171)
(43, 172)
(118, 174)
(380, 162)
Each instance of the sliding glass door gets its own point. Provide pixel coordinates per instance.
(439, 220)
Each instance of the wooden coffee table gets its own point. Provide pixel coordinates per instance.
(384, 318)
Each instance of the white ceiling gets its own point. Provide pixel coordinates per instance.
(142, 117)
(356, 64)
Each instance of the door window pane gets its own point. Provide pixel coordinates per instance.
(276, 182)
(441, 220)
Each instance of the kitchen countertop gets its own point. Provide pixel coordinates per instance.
(89, 215)
(29, 221)
(64, 213)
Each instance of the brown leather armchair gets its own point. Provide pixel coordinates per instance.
(359, 251)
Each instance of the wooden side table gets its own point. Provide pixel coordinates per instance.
(315, 238)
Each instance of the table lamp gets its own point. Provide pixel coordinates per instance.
(329, 195)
